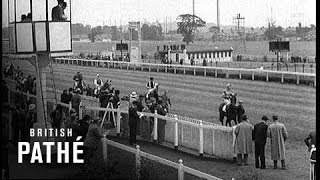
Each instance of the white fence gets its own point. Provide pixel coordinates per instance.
(201, 136)
(240, 72)
(138, 154)
(181, 168)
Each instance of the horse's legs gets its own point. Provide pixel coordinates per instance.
(221, 119)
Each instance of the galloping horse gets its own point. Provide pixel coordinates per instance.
(230, 113)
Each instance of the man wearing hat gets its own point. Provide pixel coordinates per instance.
(278, 134)
(259, 136)
(243, 142)
(133, 121)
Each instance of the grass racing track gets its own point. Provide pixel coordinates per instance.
(199, 97)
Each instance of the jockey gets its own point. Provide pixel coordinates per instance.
(153, 92)
(78, 77)
(150, 84)
(228, 93)
(98, 83)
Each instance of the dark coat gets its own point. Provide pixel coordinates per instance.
(64, 98)
(133, 116)
(21, 100)
(57, 13)
(82, 130)
(259, 133)
(75, 101)
(18, 118)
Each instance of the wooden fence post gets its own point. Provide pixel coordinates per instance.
(184, 70)
(138, 162)
(176, 133)
(128, 66)
(180, 170)
(104, 149)
(205, 71)
(155, 127)
(298, 79)
(252, 75)
(174, 70)
(166, 70)
(194, 71)
(200, 139)
(149, 68)
(80, 110)
(282, 77)
(267, 78)
(227, 75)
(215, 72)
(240, 74)
(118, 122)
(70, 107)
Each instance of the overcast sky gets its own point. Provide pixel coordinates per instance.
(256, 12)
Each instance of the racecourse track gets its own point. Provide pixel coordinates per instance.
(199, 97)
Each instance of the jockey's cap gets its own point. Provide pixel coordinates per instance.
(240, 101)
(151, 78)
(228, 85)
(98, 75)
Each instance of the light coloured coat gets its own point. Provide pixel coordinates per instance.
(278, 134)
(243, 142)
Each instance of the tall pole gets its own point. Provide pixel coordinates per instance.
(193, 10)
(218, 15)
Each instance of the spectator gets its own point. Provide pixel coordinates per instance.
(161, 123)
(82, 131)
(71, 123)
(116, 99)
(70, 90)
(278, 134)
(75, 101)
(259, 136)
(57, 13)
(58, 117)
(23, 17)
(243, 142)
(91, 141)
(310, 139)
(181, 61)
(83, 127)
(20, 99)
(64, 97)
(240, 110)
(133, 120)
(18, 124)
(31, 119)
(204, 63)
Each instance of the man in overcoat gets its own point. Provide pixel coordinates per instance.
(259, 136)
(243, 143)
(278, 134)
(133, 121)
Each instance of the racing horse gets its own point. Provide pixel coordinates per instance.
(231, 111)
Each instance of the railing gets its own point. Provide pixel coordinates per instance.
(138, 154)
(181, 168)
(203, 70)
(202, 136)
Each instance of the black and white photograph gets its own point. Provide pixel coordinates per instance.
(159, 89)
